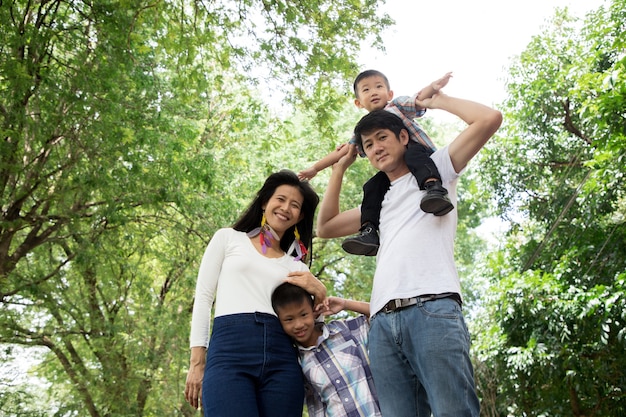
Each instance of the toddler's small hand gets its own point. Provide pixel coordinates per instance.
(442, 82)
(307, 174)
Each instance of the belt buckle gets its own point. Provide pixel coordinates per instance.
(396, 304)
(392, 305)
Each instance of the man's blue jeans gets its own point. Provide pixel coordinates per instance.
(420, 361)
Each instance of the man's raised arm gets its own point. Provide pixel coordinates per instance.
(330, 221)
(482, 123)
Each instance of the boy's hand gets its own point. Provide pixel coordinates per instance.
(307, 174)
(341, 146)
(430, 91)
(330, 306)
(335, 305)
(442, 82)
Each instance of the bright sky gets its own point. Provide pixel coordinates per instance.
(473, 39)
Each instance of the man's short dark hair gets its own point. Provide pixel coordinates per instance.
(367, 74)
(287, 293)
(378, 119)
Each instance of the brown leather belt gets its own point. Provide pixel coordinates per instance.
(400, 303)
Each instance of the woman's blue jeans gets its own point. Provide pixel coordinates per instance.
(420, 361)
(252, 369)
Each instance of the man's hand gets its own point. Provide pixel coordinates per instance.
(348, 159)
(432, 102)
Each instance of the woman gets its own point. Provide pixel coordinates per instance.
(251, 367)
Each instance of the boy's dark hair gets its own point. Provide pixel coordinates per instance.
(367, 74)
(378, 119)
(251, 218)
(287, 293)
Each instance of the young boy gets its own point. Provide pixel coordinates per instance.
(333, 356)
(372, 91)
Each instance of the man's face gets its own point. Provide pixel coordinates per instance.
(298, 322)
(385, 151)
(372, 93)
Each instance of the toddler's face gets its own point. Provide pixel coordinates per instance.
(373, 93)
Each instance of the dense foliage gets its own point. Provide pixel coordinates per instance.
(130, 132)
(552, 339)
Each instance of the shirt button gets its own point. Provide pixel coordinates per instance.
(337, 381)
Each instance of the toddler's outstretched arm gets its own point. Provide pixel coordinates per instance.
(325, 162)
(433, 88)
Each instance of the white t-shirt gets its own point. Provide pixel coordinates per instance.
(416, 254)
(238, 278)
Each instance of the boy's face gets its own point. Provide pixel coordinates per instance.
(372, 93)
(298, 322)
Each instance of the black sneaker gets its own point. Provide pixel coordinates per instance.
(365, 243)
(436, 200)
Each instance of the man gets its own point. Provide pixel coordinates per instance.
(419, 344)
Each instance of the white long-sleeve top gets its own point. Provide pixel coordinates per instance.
(238, 278)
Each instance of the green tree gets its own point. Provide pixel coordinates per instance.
(552, 339)
(130, 132)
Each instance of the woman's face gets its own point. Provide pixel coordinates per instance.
(284, 208)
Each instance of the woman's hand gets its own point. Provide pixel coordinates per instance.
(310, 283)
(193, 386)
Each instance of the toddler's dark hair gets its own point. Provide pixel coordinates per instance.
(367, 74)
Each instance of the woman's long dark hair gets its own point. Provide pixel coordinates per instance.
(251, 218)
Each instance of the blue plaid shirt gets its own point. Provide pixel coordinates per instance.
(404, 107)
(338, 378)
